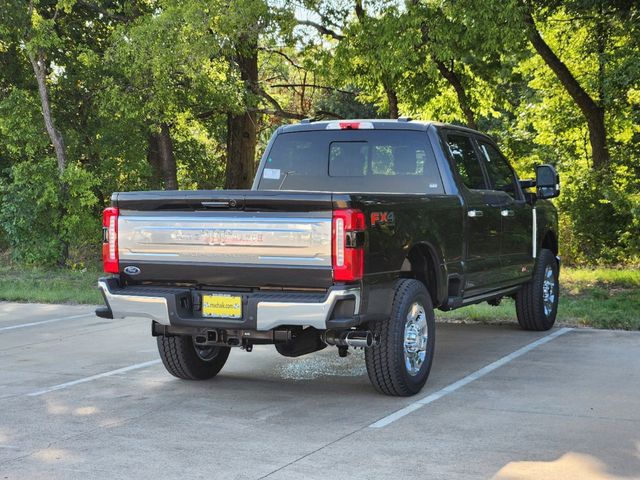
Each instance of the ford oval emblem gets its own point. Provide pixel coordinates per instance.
(131, 270)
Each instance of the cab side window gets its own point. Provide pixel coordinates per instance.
(500, 174)
(466, 161)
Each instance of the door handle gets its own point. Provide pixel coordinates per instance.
(507, 213)
(475, 213)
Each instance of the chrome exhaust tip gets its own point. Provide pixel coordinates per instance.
(350, 338)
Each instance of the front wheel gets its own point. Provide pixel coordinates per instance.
(400, 363)
(184, 359)
(537, 301)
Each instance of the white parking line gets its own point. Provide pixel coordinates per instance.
(383, 422)
(51, 320)
(94, 377)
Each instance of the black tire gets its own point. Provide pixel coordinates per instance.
(182, 360)
(386, 363)
(534, 312)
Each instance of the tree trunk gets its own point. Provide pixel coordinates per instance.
(392, 100)
(40, 71)
(241, 128)
(592, 112)
(162, 160)
(241, 150)
(153, 158)
(359, 9)
(463, 101)
(167, 159)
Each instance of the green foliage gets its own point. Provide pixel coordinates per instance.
(598, 209)
(200, 146)
(374, 55)
(165, 64)
(599, 218)
(345, 104)
(30, 212)
(43, 214)
(118, 70)
(20, 125)
(81, 224)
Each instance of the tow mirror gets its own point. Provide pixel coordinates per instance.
(547, 181)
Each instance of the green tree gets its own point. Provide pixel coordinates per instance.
(40, 43)
(32, 26)
(164, 71)
(252, 27)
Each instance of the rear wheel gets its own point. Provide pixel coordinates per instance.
(400, 363)
(537, 301)
(183, 359)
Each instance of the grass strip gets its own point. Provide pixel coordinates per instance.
(599, 298)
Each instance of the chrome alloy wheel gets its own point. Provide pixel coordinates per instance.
(548, 290)
(416, 336)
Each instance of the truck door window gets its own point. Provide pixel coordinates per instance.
(500, 174)
(466, 161)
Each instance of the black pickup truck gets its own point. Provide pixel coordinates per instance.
(353, 232)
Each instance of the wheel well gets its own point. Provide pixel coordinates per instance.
(421, 264)
(550, 242)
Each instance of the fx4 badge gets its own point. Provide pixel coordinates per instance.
(383, 218)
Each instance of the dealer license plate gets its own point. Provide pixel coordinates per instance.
(221, 306)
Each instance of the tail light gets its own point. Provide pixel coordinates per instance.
(110, 240)
(348, 245)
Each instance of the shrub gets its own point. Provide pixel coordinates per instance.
(44, 214)
(600, 218)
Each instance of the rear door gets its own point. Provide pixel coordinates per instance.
(482, 218)
(516, 215)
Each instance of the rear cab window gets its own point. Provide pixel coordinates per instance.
(354, 161)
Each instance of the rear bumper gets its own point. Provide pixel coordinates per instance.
(339, 307)
(122, 304)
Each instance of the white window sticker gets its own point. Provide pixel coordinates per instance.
(271, 173)
(433, 185)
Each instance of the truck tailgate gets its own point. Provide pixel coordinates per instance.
(226, 239)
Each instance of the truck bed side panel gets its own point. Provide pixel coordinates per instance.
(434, 221)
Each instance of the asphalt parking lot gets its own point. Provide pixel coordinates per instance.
(82, 397)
